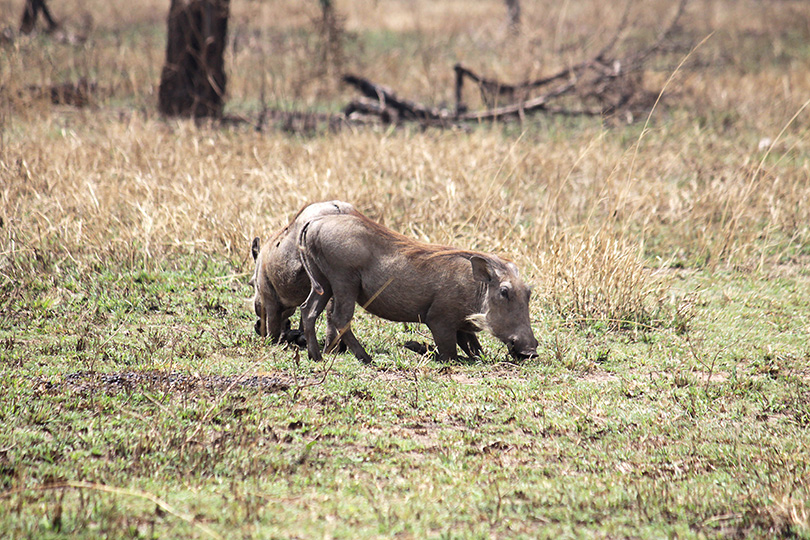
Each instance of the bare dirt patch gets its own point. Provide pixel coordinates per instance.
(164, 381)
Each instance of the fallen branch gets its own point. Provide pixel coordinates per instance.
(299, 122)
(388, 101)
(517, 109)
(492, 87)
(367, 106)
(392, 109)
(612, 82)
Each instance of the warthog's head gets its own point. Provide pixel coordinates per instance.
(505, 311)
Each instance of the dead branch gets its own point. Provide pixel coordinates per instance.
(297, 122)
(78, 93)
(367, 106)
(491, 87)
(388, 101)
(517, 109)
(606, 79)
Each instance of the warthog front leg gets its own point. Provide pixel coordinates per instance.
(445, 338)
(469, 343)
(271, 323)
(295, 337)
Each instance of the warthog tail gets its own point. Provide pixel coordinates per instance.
(302, 249)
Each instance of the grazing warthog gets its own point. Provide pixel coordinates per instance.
(279, 282)
(350, 258)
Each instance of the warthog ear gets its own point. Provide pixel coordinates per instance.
(255, 246)
(482, 269)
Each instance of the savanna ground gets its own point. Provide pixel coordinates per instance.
(671, 395)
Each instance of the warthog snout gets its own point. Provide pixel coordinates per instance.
(522, 348)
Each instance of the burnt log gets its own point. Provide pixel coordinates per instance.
(192, 82)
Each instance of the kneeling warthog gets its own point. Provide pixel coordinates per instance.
(279, 282)
(350, 258)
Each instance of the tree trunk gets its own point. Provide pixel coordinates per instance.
(513, 15)
(30, 14)
(192, 82)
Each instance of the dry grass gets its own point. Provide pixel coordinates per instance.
(140, 190)
(599, 279)
(573, 203)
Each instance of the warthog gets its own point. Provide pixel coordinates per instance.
(350, 258)
(279, 282)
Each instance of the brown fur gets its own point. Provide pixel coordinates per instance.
(414, 249)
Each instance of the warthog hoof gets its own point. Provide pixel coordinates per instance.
(294, 337)
(417, 347)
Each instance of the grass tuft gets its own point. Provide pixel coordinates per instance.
(602, 282)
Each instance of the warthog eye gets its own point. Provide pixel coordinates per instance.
(505, 292)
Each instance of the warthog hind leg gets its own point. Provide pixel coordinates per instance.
(332, 333)
(310, 310)
(342, 313)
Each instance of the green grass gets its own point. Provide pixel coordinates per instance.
(659, 433)
(671, 395)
